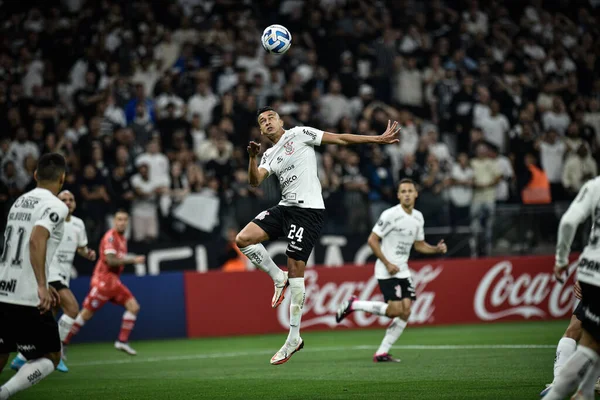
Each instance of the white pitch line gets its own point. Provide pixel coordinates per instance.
(204, 356)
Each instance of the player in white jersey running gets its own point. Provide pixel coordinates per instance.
(34, 229)
(583, 367)
(74, 241)
(299, 215)
(398, 229)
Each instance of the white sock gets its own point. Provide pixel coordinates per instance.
(565, 349)
(296, 304)
(260, 257)
(572, 373)
(29, 374)
(79, 320)
(373, 307)
(64, 326)
(588, 384)
(21, 357)
(393, 332)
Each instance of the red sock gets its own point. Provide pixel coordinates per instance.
(79, 322)
(126, 326)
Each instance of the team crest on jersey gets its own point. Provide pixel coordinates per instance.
(262, 215)
(289, 148)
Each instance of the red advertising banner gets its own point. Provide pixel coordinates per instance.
(448, 292)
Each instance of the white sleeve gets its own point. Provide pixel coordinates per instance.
(265, 162)
(383, 225)
(420, 232)
(53, 216)
(83, 240)
(311, 136)
(578, 211)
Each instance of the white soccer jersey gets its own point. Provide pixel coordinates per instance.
(73, 238)
(38, 207)
(294, 162)
(587, 203)
(398, 231)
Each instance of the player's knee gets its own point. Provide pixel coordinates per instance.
(243, 239)
(393, 311)
(71, 310)
(405, 314)
(134, 308)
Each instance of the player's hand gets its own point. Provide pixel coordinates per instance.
(441, 247)
(139, 259)
(46, 299)
(391, 133)
(55, 296)
(577, 290)
(392, 269)
(558, 272)
(91, 255)
(253, 149)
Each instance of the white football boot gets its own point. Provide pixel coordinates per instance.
(125, 347)
(286, 352)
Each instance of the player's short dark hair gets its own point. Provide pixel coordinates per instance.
(264, 109)
(121, 211)
(50, 167)
(408, 180)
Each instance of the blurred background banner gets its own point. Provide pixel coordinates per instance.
(448, 292)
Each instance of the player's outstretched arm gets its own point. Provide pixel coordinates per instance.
(255, 175)
(344, 139)
(425, 248)
(113, 261)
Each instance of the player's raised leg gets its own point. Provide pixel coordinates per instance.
(132, 309)
(293, 342)
(249, 242)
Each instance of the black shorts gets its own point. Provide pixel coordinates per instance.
(396, 289)
(590, 298)
(579, 311)
(300, 226)
(24, 329)
(58, 285)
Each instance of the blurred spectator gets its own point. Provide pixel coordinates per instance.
(507, 174)
(158, 164)
(144, 209)
(334, 105)
(356, 187)
(579, 168)
(557, 118)
(408, 88)
(410, 169)
(168, 97)
(460, 190)
(552, 153)
(140, 98)
(431, 202)
(94, 192)
(202, 103)
(381, 194)
(495, 127)
(21, 147)
(485, 178)
(331, 181)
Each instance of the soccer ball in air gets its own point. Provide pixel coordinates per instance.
(276, 39)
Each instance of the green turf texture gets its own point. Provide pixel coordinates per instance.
(335, 364)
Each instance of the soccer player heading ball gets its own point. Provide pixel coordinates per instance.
(299, 215)
(392, 238)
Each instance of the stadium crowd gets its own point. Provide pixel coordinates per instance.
(150, 101)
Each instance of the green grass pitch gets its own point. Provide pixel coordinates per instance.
(493, 361)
